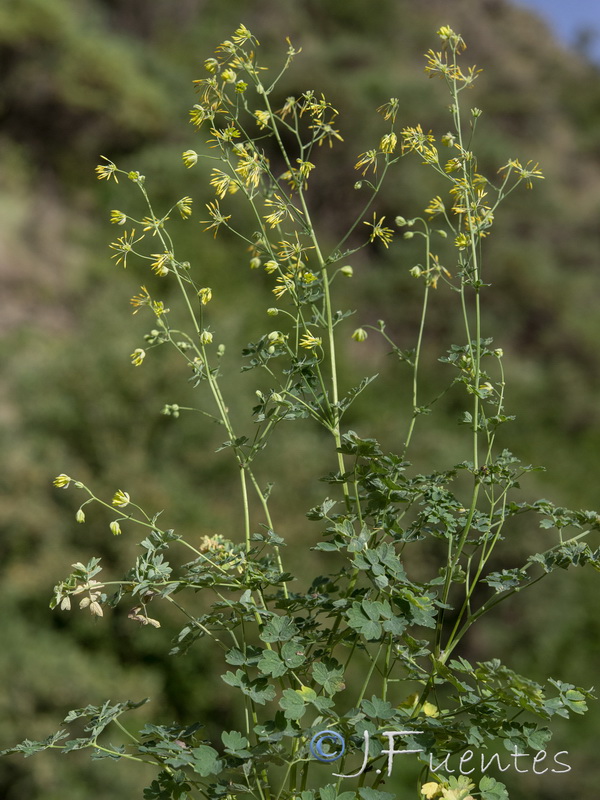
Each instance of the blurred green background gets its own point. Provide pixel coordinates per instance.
(81, 78)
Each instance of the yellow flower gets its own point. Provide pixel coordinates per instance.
(185, 207)
(390, 109)
(142, 299)
(462, 241)
(285, 284)
(107, 171)
(453, 165)
(227, 134)
(388, 143)
(435, 207)
(431, 790)
(310, 342)
(206, 337)
(367, 160)
(161, 265)
(198, 115)
(280, 213)
(526, 173)
(275, 337)
(262, 117)
(121, 499)
(190, 157)
(205, 295)
(217, 218)
(223, 183)
(249, 168)
(385, 235)
(359, 335)
(118, 217)
(422, 143)
(228, 76)
(242, 35)
(154, 224)
(138, 356)
(124, 246)
(115, 528)
(448, 36)
(62, 481)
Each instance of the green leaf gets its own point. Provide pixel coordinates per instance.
(293, 704)
(506, 579)
(279, 629)
(270, 664)
(329, 675)
(258, 690)
(367, 793)
(206, 760)
(329, 792)
(491, 789)
(376, 707)
(353, 445)
(235, 743)
(292, 653)
(420, 607)
(29, 748)
(362, 622)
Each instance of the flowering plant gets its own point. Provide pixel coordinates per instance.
(290, 651)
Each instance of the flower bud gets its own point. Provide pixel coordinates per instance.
(347, 271)
(96, 609)
(118, 217)
(228, 75)
(360, 335)
(80, 516)
(138, 356)
(272, 312)
(115, 528)
(190, 157)
(206, 337)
